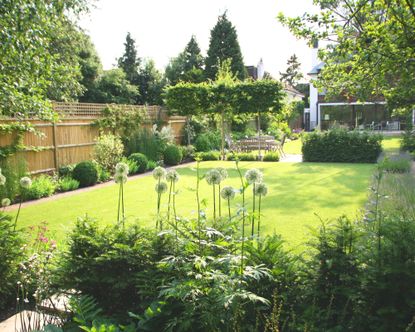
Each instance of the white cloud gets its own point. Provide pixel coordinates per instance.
(162, 28)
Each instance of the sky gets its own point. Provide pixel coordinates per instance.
(162, 28)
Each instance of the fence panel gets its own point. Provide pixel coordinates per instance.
(72, 138)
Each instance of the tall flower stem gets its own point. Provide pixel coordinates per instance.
(253, 211)
(198, 204)
(174, 206)
(122, 202)
(18, 212)
(243, 215)
(158, 208)
(229, 208)
(214, 204)
(259, 213)
(168, 206)
(219, 202)
(119, 204)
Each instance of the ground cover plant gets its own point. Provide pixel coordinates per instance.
(297, 191)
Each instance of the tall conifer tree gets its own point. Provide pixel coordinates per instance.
(130, 62)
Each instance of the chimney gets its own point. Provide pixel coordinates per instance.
(314, 54)
(260, 70)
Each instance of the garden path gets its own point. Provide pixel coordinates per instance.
(292, 158)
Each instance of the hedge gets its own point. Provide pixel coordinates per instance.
(342, 146)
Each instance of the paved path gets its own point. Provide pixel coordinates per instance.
(292, 158)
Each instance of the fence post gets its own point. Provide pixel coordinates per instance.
(55, 147)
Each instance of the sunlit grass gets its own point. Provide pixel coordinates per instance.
(299, 194)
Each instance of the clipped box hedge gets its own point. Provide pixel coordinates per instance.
(342, 146)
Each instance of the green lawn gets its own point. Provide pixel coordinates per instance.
(391, 144)
(293, 147)
(297, 191)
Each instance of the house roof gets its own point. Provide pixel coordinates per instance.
(290, 89)
(316, 69)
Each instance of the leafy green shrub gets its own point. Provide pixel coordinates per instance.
(145, 141)
(208, 141)
(271, 156)
(141, 161)
(11, 255)
(188, 151)
(172, 155)
(341, 146)
(66, 170)
(396, 164)
(132, 165)
(151, 165)
(408, 141)
(242, 156)
(13, 168)
(103, 174)
(108, 151)
(210, 155)
(116, 266)
(67, 184)
(86, 173)
(42, 186)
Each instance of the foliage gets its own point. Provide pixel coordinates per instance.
(146, 142)
(113, 87)
(11, 255)
(151, 165)
(150, 84)
(242, 156)
(108, 151)
(271, 156)
(208, 155)
(141, 161)
(130, 62)
(120, 120)
(13, 168)
(371, 48)
(66, 170)
(172, 155)
(293, 73)
(42, 186)
(342, 146)
(67, 184)
(86, 173)
(408, 141)
(396, 164)
(207, 141)
(224, 45)
(188, 151)
(187, 66)
(29, 32)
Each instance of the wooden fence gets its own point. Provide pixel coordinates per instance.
(72, 138)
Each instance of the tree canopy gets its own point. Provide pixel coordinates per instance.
(371, 50)
(34, 58)
(293, 72)
(224, 45)
(130, 62)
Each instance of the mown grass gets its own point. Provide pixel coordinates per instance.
(299, 194)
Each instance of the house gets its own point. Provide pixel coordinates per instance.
(339, 112)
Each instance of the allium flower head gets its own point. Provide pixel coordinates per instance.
(223, 173)
(253, 176)
(261, 189)
(120, 178)
(227, 192)
(159, 173)
(213, 177)
(172, 175)
(5, 202)
(161, 187)
(25, 182)
(121, 168)
(2, 180)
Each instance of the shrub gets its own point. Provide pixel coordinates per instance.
(341, 146)
(103, 174)
(141, 161)
(132, 165)
(188, 151)
(86, 173)
(396, 164)
(147, 142)
(11, 255)
(408, 141)
(67, 184)
(108, 151)
(42, 186)
(208, 141)
(271, 156)
(151, 165)
(242, 156)
(66, 170)
(13, 168)
(172, 155)
(206, 156)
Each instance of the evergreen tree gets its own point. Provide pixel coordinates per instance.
(293, 74)
(130, 62)
(187, 66)
(150, 84)
(224, 45)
